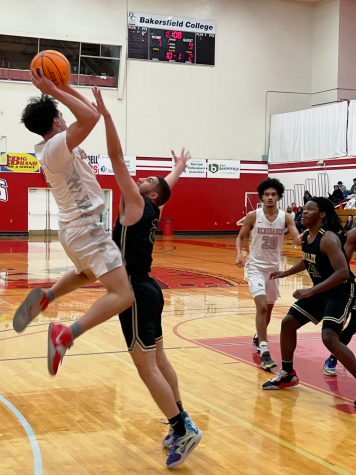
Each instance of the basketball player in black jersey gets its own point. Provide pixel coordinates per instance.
(140, 208)
(330, 299)
(348, 331)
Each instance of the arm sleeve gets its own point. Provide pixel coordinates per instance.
(56, 154)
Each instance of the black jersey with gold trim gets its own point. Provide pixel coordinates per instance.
(136, 241)
(316, 263)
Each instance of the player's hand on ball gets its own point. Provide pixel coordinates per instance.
(41, 82)
(277, 274)
(302, 294)
(99, 105)
(240, 261)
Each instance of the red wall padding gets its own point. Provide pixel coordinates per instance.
(197, 204)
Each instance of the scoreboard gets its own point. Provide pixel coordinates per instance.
(171, 45)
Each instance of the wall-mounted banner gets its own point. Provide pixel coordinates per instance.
(170, 22)
(223, 168)
(196, 168)
(20, 163)
(105, 167)
(94, 162)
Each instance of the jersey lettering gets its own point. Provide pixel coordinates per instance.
(269, 242)
(153, 230)
(312, 270)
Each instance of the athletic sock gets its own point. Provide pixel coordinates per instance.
(287, 366)
(263, 347)
(178, 426)
(50, 295)
(180, 406)
(76, 329)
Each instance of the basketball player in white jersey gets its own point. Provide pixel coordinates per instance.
(266, 227)
(80, 202)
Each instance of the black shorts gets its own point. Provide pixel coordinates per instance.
(142, 323)
(332, 306)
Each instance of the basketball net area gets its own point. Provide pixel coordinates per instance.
(4, 158)
(252, 202)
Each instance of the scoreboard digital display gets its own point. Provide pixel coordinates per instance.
(172, 46)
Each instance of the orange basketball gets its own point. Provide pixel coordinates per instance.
(55, 66)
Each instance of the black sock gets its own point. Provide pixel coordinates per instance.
(180, 406)
(287, 366)
(178, 425)
(50, 295)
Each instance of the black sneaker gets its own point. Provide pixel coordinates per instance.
(256, 343)
(266, 361)
(282, 380)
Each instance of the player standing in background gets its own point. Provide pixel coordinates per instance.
(140, 209)
(329, 300)
(349, 330)
(266, 227)
(80, 201)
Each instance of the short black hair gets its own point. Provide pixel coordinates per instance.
(354, 179)
(163, 190)
(270, 183)
(339, 182)
(39, 113)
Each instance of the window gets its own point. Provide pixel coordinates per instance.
(92, 64)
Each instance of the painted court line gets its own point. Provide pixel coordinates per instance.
(37, 457)
(242, 422)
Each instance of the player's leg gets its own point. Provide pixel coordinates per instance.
(119, 296)
(302, 312)
(263, 316)
(345, 338)
(38, 300)
(332, 342)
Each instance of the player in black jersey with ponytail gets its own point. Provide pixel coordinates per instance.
(330, 299)
(140, 208)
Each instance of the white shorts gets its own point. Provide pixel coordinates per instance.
(90, 247)
(260, 284)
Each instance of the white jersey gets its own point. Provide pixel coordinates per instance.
(266, 241)
(73, 182)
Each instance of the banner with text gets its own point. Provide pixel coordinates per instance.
(101, 164)
(19, 163)
(196, 168)
(223, 169)
(170, 22)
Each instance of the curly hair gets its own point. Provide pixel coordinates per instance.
(39, 113)
(270, 183)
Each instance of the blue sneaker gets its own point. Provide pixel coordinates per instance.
(189, 425)
(330, 366)
(182, 447)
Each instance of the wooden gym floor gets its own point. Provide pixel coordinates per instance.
(96, 416)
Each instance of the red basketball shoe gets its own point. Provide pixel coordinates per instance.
(59, 340)
(282, 380)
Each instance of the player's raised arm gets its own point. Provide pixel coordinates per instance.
(128, 187)
(248, 224)
(86, 116)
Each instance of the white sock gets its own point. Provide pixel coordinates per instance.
(263, 347)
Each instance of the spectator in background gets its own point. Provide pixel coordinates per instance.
(294, 208)
(307, 196)
(337, 195)
(349, 223)
(354, 222)
(353, 188)
(289, 211)
(342, 187)
(298, 219)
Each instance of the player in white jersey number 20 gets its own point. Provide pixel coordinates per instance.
(266, 227)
